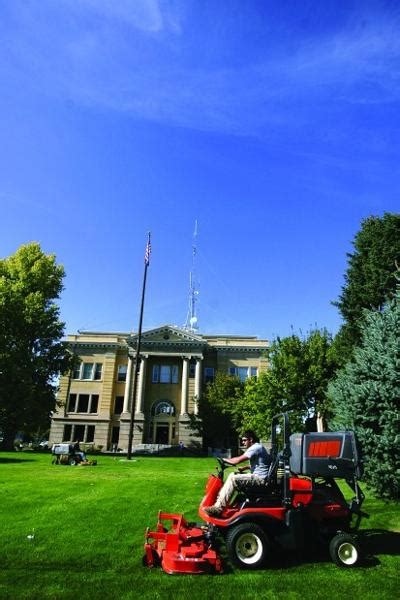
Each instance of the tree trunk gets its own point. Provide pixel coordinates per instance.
(8, 441)
(320, 422)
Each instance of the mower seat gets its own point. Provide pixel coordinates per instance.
(258, 496)
(270, 477)
(255, 493)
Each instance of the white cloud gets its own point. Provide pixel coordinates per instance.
(141, 14)
(126, 56)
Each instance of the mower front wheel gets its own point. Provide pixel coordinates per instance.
(153, 562)
(247, 545)
(344, 550)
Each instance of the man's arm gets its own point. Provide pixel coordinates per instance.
(237, 459)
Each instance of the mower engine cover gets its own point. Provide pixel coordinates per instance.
(330, 454)
(62, 449)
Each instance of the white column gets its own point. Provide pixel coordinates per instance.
(184, 391)
(128, 385)
(140, 391)
(197, 385)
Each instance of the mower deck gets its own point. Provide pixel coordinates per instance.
(183, 548)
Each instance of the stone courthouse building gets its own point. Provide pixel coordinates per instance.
(96, 399)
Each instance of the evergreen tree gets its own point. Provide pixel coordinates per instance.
(366, 397)
(31, 351)
(370, 278)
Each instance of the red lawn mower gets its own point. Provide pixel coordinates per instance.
(301, 504)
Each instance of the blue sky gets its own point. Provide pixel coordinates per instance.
(274, 124)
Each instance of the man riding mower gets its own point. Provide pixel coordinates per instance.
(70, 454)
(260, 462)
(298, 503)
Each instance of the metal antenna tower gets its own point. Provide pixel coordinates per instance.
(191, 323)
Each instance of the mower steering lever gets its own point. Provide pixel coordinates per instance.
(222, 465)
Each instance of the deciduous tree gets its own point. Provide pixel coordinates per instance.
(32, 353)
(296, 381)
(216, 421)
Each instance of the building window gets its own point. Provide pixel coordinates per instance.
(79, 433)
(83, 403)
(72, 403)
(165, 374)
(88, 371)
(174, 374)
(90, 433)
(118, 405)
(155, 377)
(122, 371)
(208, 374)
(164, 407)
(98, 370)
(243, 372)
(94, 403)
(67, 433)
(192, 369)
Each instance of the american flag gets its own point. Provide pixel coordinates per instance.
(147, 252)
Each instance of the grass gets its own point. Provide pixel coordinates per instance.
(86, 530)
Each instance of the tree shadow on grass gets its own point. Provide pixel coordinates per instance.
(372, 542)
(380, 541)
(4, 460)
(59, 566)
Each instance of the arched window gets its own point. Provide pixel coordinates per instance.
(164, 407)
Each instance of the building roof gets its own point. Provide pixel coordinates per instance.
(167, 336)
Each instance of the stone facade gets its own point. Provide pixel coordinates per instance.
(96, 400)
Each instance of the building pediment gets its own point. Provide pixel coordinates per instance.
(167, 335)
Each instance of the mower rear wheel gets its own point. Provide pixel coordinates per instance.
(344, 550)
(247, 545)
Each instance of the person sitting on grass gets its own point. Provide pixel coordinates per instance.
(260, 461)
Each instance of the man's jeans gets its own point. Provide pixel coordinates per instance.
(233, 483)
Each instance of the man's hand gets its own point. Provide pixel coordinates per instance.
(243, 469)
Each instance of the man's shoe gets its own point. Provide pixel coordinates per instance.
(213, 511)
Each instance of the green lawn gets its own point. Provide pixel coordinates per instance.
(88, 528)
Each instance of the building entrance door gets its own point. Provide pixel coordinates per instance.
(114, 438)
(162, 425)
(162, 434)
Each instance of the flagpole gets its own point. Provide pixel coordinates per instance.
(137, 358)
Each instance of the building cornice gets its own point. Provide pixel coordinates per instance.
(86, 418)
(169, 339)
(223, 349)
(171, 344)
(114, 346)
